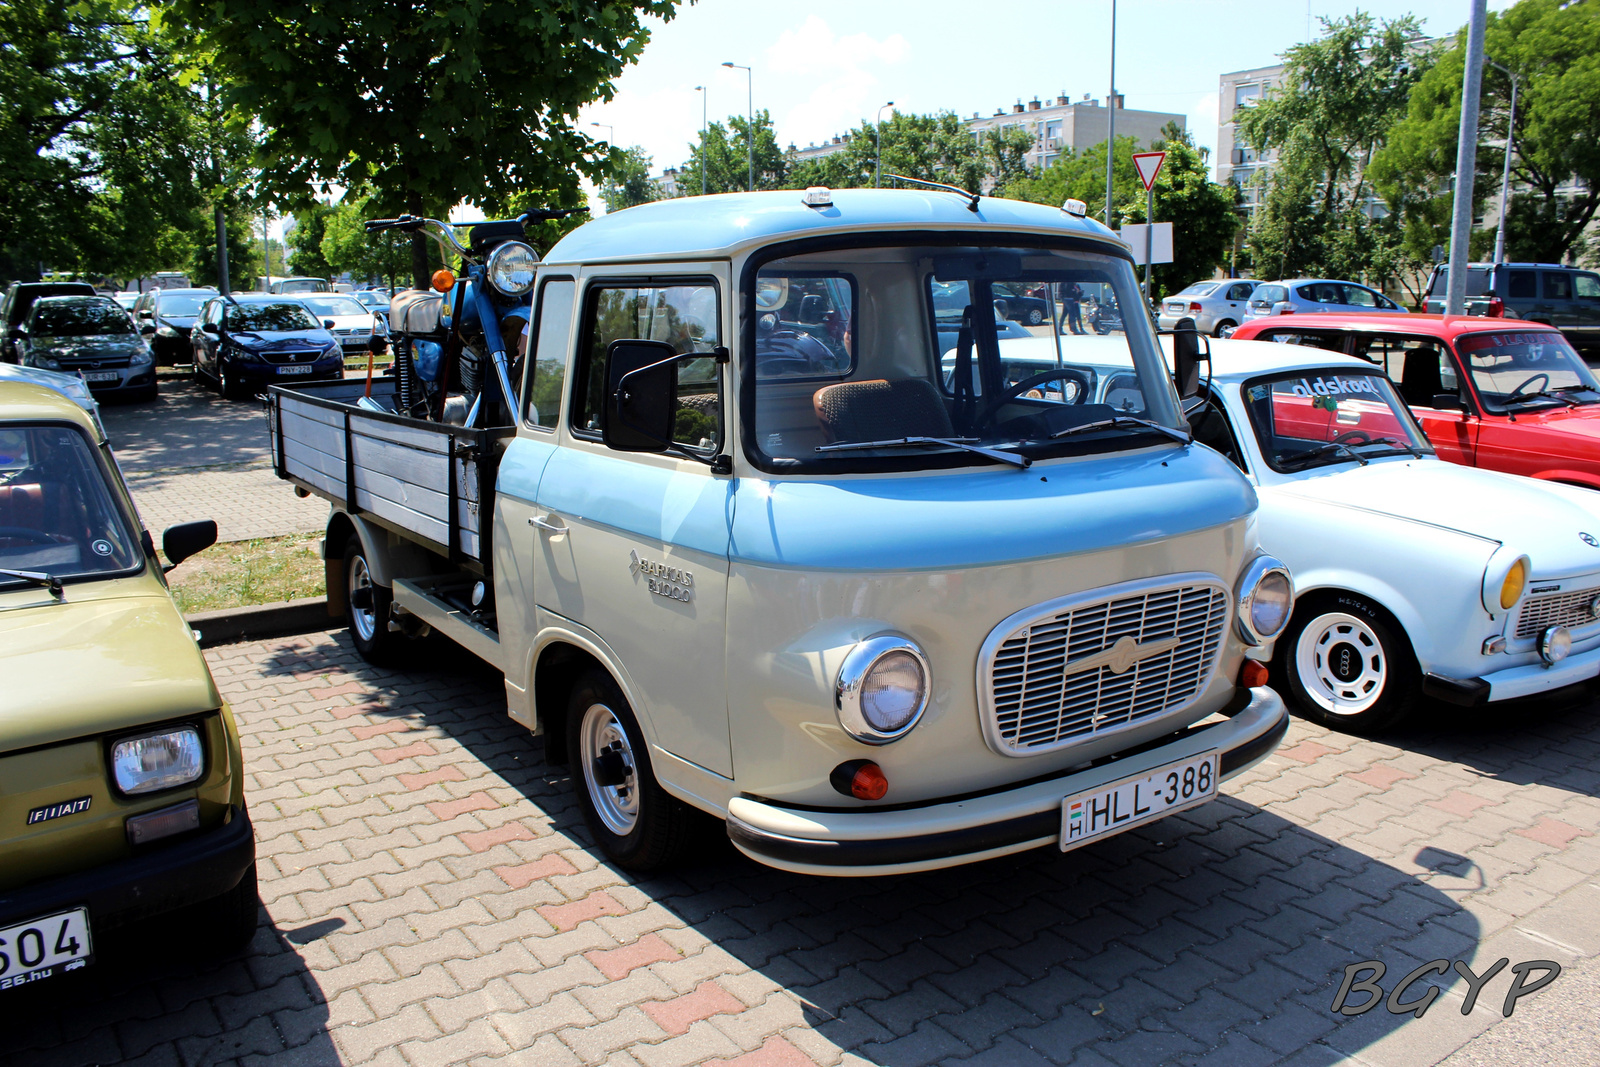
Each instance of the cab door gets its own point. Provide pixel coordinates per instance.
(634, 546)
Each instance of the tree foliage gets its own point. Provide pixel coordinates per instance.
(628, 180)
(305, 242)
(426, 105)
(1554, 50)
(1339, 97)
(1202, 212)
(931, 147)
(723, 153)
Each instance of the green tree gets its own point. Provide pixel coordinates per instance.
(723, 154)
(1201, 211)
(347, 246)
(628, 181)
(426, 105)
(305, 242)
(1338, 99)
(931, 147)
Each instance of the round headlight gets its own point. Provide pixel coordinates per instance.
(1516, 578)
(511, 268)
(882, 689)
(1554, 644)
(1264, 598)
(1505, 579)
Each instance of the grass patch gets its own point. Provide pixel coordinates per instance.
(238, 574)
(359, 363)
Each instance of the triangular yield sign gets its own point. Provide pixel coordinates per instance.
(1149, 164)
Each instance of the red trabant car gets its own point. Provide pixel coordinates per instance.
(1502, 394)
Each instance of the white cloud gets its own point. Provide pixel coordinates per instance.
(1202, 120)
(833, 80)
(814, 49)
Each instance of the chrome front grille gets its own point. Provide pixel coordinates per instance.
(1084, 667)
(1556, 609)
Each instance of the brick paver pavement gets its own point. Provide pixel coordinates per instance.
(190, 455)
(431, 901)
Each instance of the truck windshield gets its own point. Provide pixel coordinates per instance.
(1315, 418)
(56, 512)
(1515, 371)
(906, 357)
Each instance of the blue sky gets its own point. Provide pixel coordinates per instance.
(823, 67)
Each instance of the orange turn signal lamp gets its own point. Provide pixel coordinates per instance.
(444, 280)
(859, 778)
(1253, 674)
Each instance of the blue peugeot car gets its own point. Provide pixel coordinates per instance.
(247, 341)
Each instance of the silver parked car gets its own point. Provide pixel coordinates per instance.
(1304, 295)
(1215, 306)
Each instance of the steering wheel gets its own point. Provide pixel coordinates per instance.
(1533, 378)
(1353, 437)
(37, 537)
(1029, 382)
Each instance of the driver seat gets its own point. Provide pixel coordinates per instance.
(1419, 377)
(878, 410)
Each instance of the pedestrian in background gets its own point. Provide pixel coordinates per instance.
(1073, 300)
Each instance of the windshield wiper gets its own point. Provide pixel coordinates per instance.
(1123, 422)
(48, 581)
(1323, 450)
(965, 443)
(1543, 394)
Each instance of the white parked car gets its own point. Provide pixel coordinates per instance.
(352, 321)
(1215, 306)
(1413, 576)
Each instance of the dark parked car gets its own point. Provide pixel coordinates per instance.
(92, 337)
(1020, 305)
(19, 301)
(245, 343)
(166, 317)
(1564, 297)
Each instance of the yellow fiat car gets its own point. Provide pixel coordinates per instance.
(121, 793)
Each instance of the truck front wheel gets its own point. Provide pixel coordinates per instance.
(637, 824)
(366, 607)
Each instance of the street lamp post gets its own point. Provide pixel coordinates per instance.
(1111, 111)
(611, 132)
(750, 118)
(877, 144)
(701, 89)
(1505, 174)
(1466, 162)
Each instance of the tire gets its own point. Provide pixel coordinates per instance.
(229, 921)
(1224, 326)
(1035, 316)
(636, 823)
(369, 625)
(1348, 664)
(227, 386)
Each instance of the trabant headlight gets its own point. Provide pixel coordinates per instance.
(511, 268)
(153, 762)
(1505, 580)
(882, 689)
(1264, 596)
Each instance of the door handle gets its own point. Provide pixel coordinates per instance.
(546, 525)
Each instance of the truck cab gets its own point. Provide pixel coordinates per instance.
(758, 549)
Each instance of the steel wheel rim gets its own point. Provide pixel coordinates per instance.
(617, 805)
(364, 620)
(1342, 664)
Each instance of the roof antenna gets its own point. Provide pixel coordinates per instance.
(972, 198)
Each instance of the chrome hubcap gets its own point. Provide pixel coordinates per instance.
(610, 772)
(1341, 664)
(364, 620)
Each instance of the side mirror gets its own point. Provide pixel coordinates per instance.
(210, 328)
(327, 324)
(147, 329)
(377, 344)
(641, 403)
(1447, 402)
(1186, 362)
(185, 539)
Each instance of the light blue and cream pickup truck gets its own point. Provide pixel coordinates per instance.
(751, 545)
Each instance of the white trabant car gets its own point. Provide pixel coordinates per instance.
(752, 551)
(1412, 575)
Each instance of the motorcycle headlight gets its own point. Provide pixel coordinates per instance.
(882, 689)
(1264, 597)
(511, 268)
(153, 762)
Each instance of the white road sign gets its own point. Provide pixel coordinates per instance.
(1132, 235)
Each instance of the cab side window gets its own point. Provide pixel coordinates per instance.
(1587, 286)
(686, 315)
(1524, 285)
(1359, 297)
(1240, 292)
(547, 369)
(1557, 286)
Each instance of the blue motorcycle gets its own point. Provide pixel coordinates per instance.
(455, 346)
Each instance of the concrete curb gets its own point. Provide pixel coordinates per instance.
(232, 625)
